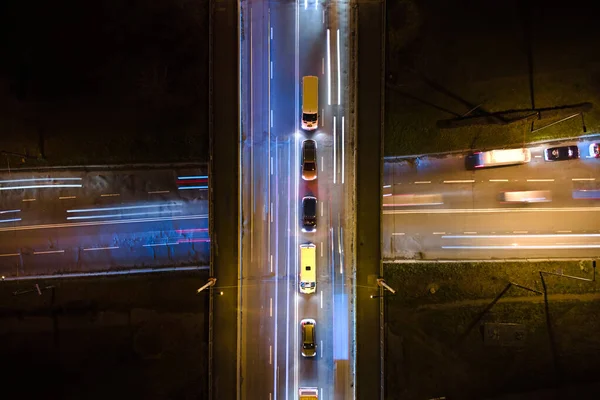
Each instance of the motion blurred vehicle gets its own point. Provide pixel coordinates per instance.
(309, 214)
(309, 347)
(309, 160)
(595, 150)
(586, 194)
(308, 393)
(527, 196)
(561, 153)
(497, 158)
(310, 103)
(308, 268)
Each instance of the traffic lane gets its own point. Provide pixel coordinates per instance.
(100, 248)
(465, 194)
(283, 74)
(438, 169)
(413, 235)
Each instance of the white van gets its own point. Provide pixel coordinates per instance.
(310, 103)
(497, 158)
(308, 268)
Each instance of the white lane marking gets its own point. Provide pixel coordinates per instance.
(271, 262)
(322, 164)
(321, 249)
(159, 192)
(270, 354)
(28, 200)
(271, 33)
(387, 195)
(540, 180)
(515, 246)
(460, 181)
(421, 182)
(321, 349)
(490, 210)
(538, 156)
(334, 152)
(328, 67)
(110, 195)
(535, 235)
(271, 118)
(101, 248)
(387, 186)
(49, 252)
(271, 165)
(159, 244)
(470, 233)
(322, 117)
(520, 231)
(439, 233)
(339, 70)
(271, 212)
(271, 69)
(323, 16)
(321, 209)
(563, 231)
(322, 65)
(583, 179)
(321, 299)
(498, 180)
(398, 234)
(343, 147)
(10, 254)
(271, 307)
(67, 197)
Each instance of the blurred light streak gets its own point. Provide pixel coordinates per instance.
(193, 177)
(517, 247)
(10, 220)
(328, 68)
(39, 180)
(39, 187)
(106, 273)
(170, 204)
(9, 211)
(191, 187)
(191, 230)
(549, 235)
(193, 241)
(10, 254)
(101, 248)
(48, 252)
(492, 210)
(339, 68)
(122, 215)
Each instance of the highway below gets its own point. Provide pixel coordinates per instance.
(435, 209)
(281, 43)
(99, 220)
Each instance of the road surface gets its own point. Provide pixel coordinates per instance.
(460, 215)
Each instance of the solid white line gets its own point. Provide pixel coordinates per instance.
(28, 199)
(321, 249)
(460, 181)
(321, 209)
(420, 182)
(583, 179)
(540, 180)
(67, 197)
(321, 299)
(491, 210)
(535, 235)
(328, 67)
(343, 147)
(398, 234)
(110, 195)
(334, 153)
(271, 307)
(157, 192)
(322, 164)
(339, 70)
(10, 254)
(322, 65)
(271, 118)
(271, 165)
(563, 231)
(271, 212)
(517, 247)
(101, 248)
(49, 252)
(498, 180)
(439, 233)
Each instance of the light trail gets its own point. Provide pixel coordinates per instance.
(339, 69)
(181, 178)
(192, 187)
(122, 215)
(39, 180)
(83, 210)
(40, 187)
(10, 254)
(334, 152)
(343, 146)
(101, 248)
(518, 247)
(492, 210)
(48, 252)
(328, 68)
(461, 181)
(9, 211)
(98, 223)
(105, 273)
(159, 244)
(533, 235)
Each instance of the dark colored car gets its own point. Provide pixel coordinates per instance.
(309, 214)
(561, 153)
(309, 160)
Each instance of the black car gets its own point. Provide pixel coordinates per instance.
(561, 153)
(309, 214)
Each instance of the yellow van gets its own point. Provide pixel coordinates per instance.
(310, 103)
(308, 268)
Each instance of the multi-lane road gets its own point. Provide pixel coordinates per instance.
(443, 211)
(281, 43)
(98, 220)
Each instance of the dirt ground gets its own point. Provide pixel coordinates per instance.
(446, 59)
(446, 337)
(134, 337)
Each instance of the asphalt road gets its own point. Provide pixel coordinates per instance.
(283, 42)
(435, 209)
(100, 220)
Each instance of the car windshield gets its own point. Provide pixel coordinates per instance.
(309, 117)
(310, 207)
